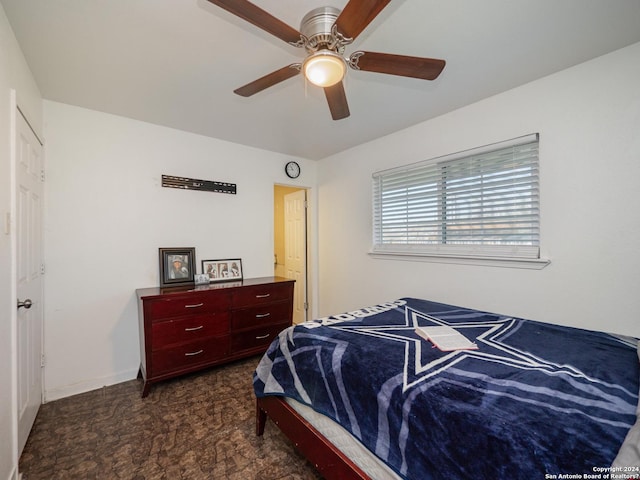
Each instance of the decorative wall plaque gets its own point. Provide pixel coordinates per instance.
(196, 184)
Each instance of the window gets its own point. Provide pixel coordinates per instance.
(479, 203)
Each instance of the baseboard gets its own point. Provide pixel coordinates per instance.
(57, 393)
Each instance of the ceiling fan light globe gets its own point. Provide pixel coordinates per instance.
(324, 69)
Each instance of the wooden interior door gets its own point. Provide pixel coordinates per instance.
(295, 232)
(29, 170)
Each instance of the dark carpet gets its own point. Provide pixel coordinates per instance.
(201, 426)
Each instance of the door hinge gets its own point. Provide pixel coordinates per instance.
(42, 269)
(306, 306)
(42, 360)
(42, 175)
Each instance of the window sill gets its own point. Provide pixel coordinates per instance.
(505, 262)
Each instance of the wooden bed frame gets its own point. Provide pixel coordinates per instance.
(330, 462)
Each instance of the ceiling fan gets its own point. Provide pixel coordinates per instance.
(324, 34)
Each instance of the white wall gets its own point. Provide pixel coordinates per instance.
(14, 75)
(588, 118)
(107, 215)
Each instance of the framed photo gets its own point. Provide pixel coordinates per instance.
(177, 266)
(222, 270)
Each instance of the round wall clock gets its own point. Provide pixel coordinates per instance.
(292, 169)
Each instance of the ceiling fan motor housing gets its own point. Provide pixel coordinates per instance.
(316, 28)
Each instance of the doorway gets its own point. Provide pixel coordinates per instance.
(290, 244)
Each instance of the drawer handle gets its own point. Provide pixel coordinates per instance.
(194, 306)
(191, 354)
(193, 329)
(262, 336)
(262, 315)
(263, 296)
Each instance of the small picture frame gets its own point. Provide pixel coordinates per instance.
(222, 270)
(176, 266)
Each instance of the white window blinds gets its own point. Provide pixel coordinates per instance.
(482, 202)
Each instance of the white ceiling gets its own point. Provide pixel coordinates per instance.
(176, 62)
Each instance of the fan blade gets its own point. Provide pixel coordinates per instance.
(255, 15)
(357, 14)
(268, 80)
(401, 65)
(337, 100)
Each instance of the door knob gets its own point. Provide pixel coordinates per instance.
(26, 304)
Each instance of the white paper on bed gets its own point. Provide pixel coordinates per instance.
(446, 338)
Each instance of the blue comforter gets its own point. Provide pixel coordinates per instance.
(535, 400)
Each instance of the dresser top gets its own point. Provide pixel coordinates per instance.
(159, 291)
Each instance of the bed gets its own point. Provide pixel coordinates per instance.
(534, 400)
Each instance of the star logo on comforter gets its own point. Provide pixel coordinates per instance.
(488, 335)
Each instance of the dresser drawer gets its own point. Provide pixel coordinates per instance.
(267, 314)
(189, 354)
(257, 337)
(189, 328)
(177, 306)
(260, 294)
